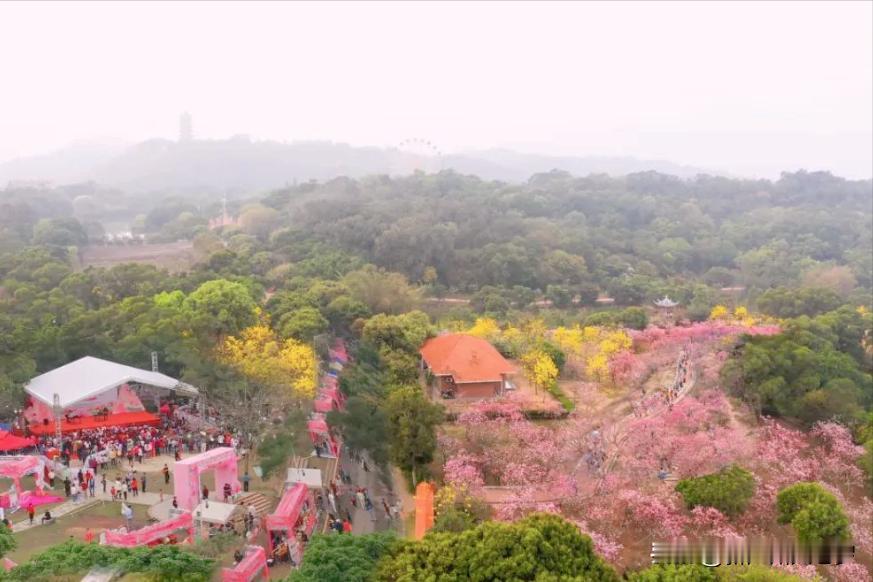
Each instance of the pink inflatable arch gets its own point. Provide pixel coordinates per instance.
(151, 533)
(17, 467)
(186, 474)
(254, 563)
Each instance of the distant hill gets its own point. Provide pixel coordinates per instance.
(74, 163)
(241, 164)
(510, 166)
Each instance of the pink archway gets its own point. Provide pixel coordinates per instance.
(152, 533)
(17, 467)
(186, 474)
(295, 512)
(254, 563)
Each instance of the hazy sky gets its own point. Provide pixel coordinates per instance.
(745, 87)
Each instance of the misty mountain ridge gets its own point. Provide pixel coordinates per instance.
(245, 165)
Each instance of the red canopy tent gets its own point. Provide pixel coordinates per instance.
(11, 442)
(329, 398)
(339, 352)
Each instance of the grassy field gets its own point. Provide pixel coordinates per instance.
(174, 257)
(99, 517)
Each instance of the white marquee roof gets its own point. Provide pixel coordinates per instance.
(307, 476)
(215, 511)
(90, 376)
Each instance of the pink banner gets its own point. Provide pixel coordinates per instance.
(29, 497)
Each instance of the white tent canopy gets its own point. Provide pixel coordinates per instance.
(215, 512)
(309, 477)
(89, 376)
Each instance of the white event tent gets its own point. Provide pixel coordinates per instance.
(89, 377)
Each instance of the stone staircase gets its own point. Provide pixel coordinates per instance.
(261, 504)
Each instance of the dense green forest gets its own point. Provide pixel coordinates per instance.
(633, 236)
(628, 235)
(333, 255)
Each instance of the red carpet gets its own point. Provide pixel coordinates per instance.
(122, 419)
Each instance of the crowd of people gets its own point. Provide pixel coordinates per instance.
(114, 446)
(595, 452)
(683, 376)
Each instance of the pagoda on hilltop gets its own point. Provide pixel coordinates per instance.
(665, 303)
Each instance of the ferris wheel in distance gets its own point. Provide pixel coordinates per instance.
(417, 155)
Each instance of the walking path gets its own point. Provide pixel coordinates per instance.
(621, 428)
(364, 521)
(617, 434)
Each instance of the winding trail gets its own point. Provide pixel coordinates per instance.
(618, 434)
(622, 429)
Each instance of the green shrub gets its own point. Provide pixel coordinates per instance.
(160, 563)
(565, 401)
(813, 512)
(728, 490)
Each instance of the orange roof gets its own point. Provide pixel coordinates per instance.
(464, 357)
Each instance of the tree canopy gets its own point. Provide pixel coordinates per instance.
(729, 490)
(814, 513)
(540, 547)
(343, 558)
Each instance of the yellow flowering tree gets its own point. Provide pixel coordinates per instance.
(570, 340)
(607, 343)
(719, 312)
(486, 328)
(597, 367)
(283, 367)
(534, 329)
(540, 368)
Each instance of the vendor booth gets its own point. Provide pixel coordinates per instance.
(292, 522)
(338, 352)
(329, 398)
(326, 443)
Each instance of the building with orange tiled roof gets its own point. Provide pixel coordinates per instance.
(464, 366)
